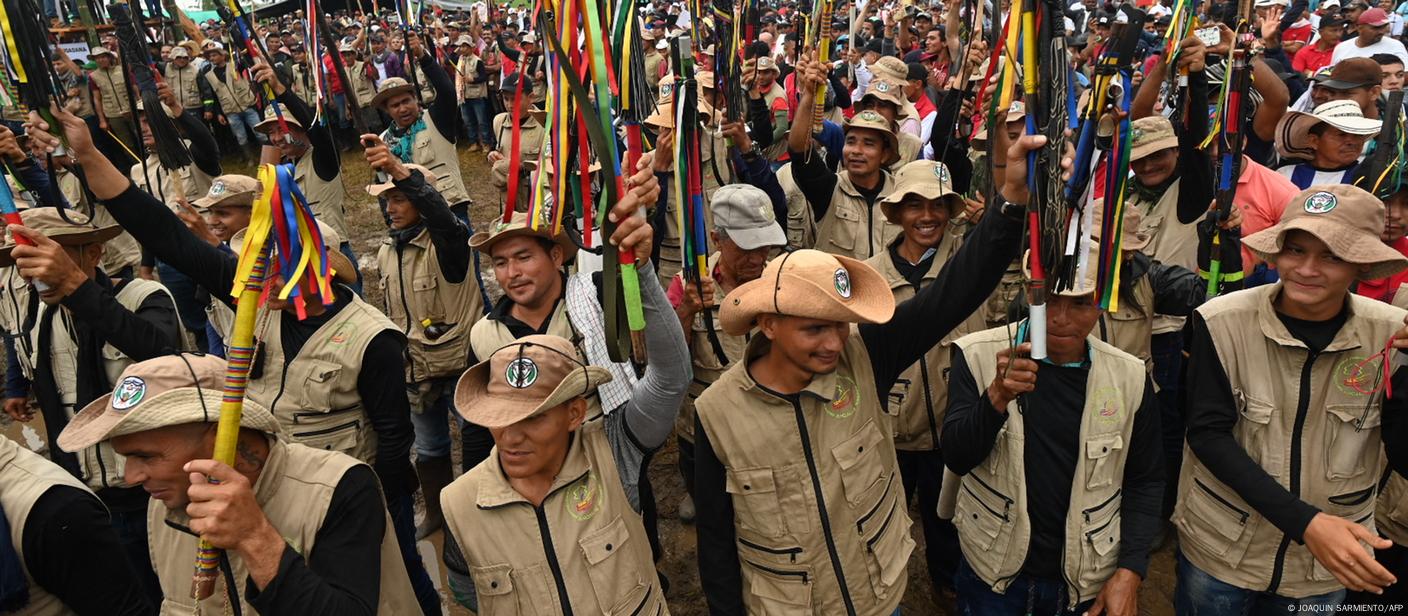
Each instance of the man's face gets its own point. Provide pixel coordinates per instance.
(923, 221)
(863, 151)
(811, 345)
(913, 89)
(1365, 96)
(378, 46)
(1335, 148)
(300, 56)
(166, 52)
(404, 109)
(1313, 276)
(1368, 35)
(104, 61)
(274, 43)
(766, 79)
(215, 57)
(182, 62)
(156, 460)
(744, 264)
(466, 50)
(1393, 76)
(399, 209)
(226, 220)
(527, 272)
(1395, 217)
(1155, 168)
(349, 58)
(537, 446)
(1068, 321)
(933, 42)
(1332, 35)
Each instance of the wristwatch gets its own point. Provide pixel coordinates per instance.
(1012, 211)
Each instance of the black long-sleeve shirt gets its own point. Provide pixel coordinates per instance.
(1052, 416)
(379, 382)
(65, 523)
(1197, 185)
(445, 110)
(918, 324)
(320, 144)
(204, 152)
(1212, 415)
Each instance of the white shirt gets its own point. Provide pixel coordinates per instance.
(1351, 49)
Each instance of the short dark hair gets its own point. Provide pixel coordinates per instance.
(1385, 59)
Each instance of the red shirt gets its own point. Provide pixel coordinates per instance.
(1301, 31)
(1383, 289)
(925, 107)
(1310, 59)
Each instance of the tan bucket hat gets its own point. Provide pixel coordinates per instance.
(664, 115)
(389, 88)
(885, 90)
(48, 221)
(1016, 112)
(230, 190)
(872, 120)
(375, 190)
(1149, 135)
(926, 179)
(890, 68)
(271, 121)
(524, 378)
(810, 284)
(1346, 218)
(1293, 131)
(518, 226)
(342, 267)
(165, 391)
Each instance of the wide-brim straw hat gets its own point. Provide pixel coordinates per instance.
(1346, 218)
(810, 284)
(50, 222)
(1293, 130)
(927, 179)
(524, 378)
(393, 86)
(872, 120)
(518, 226)
(165, 391)
(342, 267)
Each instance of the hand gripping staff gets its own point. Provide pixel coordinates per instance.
(822, 28)
(1233, 112)
(281, 220)
(243, 35)
(1381, 172)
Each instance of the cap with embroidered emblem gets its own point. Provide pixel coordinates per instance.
(744, 212)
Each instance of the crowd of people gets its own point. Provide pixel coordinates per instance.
(859, 348)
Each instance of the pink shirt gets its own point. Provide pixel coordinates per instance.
(1262, 195)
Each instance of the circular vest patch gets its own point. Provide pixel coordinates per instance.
(521, 373)
(128, 393)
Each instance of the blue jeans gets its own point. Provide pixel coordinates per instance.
(431, 402)
(477, 121)
(1200, 594)
(403, 519)
(1026, 596)
(242, 124)
(183, 290)
(213, 344)
(131, 528)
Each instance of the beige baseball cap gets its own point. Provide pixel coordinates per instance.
(1148, 135)
(271, 120)
(744, 212)
(1346, 218)
(810, 284)
(166, 391)
(375, 190)
(229, 190)
(524, 378)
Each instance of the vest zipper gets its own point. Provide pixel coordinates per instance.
(352, 423)
(1297, 432)
(800, 574)
(1086, 512)
(406, 308)
(870, 543)
(821, 508)
(790, 552)
(300, 414)
(643, 600)
(1365, 517)
(989, 488)
(1002, 515)
(1226, 503)
(1353, 498)
(552, 560)
(860, 523)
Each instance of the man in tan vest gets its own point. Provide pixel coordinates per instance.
(845, 203)
(795, 470)
(55, 530)
(578, 476)
(333, 379)
(182, 76)
(1289, 435)
(530, 131)
(429, 291)
(216, 218)
(746, 233)
(305, 531)
(228, 98)
(113, 106)
(472, 83)
(363, 85)
(922, 205)
(426, 137)
(1061, 518)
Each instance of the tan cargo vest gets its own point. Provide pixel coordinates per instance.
(1341, 454)
(432, 151)
(488, 335)
(112, 85)
(468, 68)
(14, 305)
(1170, 242)
(852, 228)
(652, 69)
(785, 464)
(294, 490)
(994, 527)
(910, 148)
(302, 81)
(101, 467)
(220, 317)
(1013, 281)
(801, 225)
(1130, 329)
(672, 240)
(363, 88)
(531, 141)
(413, 290)
(427, 91)
(85, 98)
(233, 93)
(24, 477)
(774, 94)
(920, 396)
(596, 538)
(315, 397)
(324, 196)
(188, 182)
(1391, 512)
(706, 362)
(183, 83)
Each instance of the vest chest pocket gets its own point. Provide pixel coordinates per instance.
(1098, 550)
(774, 591)
(1252, 425)
(618, 585)
(981, 513)
(319, 378)
(1101, 455)
(862, 463)
(842, 232)
(428, 298)
(1351, 441)
(888, 549)
(1217, 522)
(494, 585)
(756, 503)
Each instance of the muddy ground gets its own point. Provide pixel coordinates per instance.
(678, 563)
